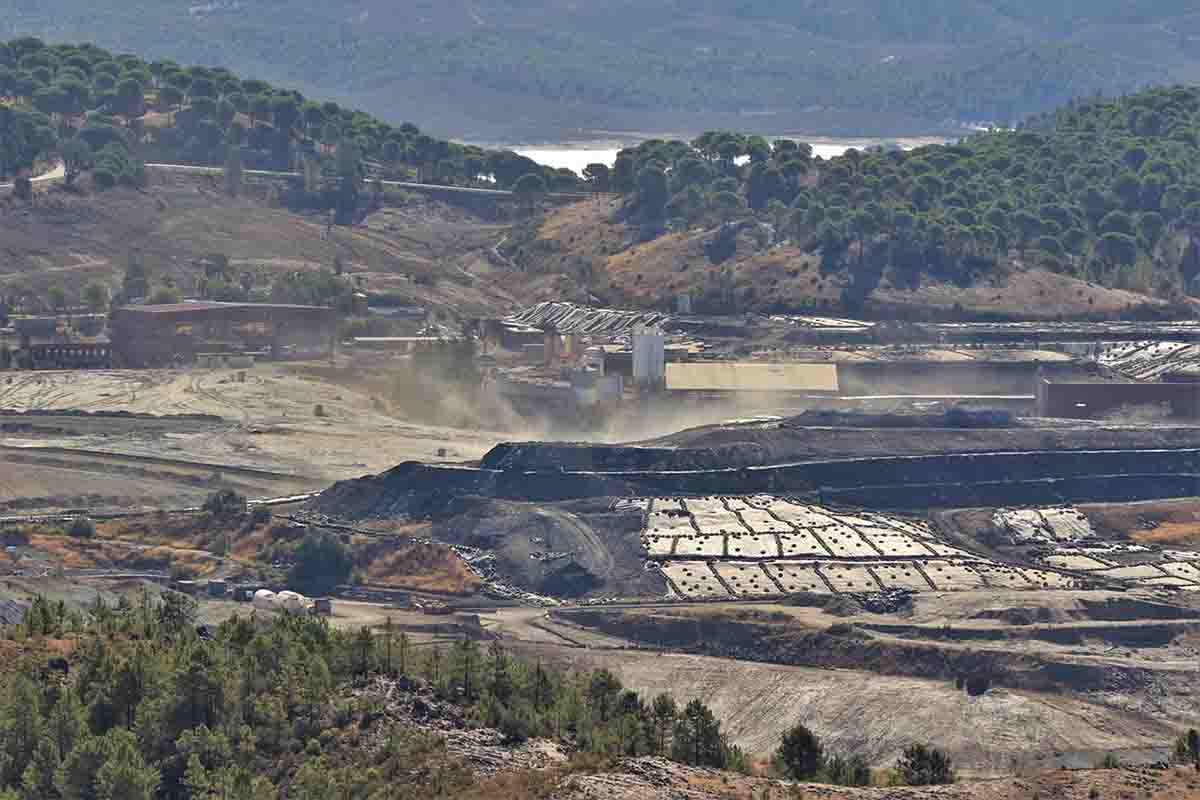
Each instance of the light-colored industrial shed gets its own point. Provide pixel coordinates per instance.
(748, 376)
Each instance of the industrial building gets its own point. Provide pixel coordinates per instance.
(44, 344)
(1088, 399)
(725, 377)
(180, 333)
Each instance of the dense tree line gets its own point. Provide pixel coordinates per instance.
(110, 112)
(979, 59)
(1106, 190)
(260, 709)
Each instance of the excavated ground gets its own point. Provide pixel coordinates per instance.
(1062, 692)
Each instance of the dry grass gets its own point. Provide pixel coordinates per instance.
(17, 656)
(1173, 523)
(534, 784)
(188, 540)
(786, 276)
(71, 553)
(1186, 534)
(415, 566)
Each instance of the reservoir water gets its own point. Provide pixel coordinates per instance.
(577, 156)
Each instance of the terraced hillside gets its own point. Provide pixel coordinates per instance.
(762, 546)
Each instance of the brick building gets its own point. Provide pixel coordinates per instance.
(162, 335)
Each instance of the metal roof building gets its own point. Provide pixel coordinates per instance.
(749, 376)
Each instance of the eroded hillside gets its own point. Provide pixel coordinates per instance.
(587, 243)
(426, 254)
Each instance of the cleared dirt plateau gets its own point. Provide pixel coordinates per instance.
(1000, 732)
(167, 438)
(1062, 692)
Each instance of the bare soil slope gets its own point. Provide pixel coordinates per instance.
(783, 277)
(877, 716)
(67, 240)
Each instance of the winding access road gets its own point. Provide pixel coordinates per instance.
(57, 173)
(407, 185)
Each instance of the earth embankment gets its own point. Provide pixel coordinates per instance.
(946, 480)
(741, 636)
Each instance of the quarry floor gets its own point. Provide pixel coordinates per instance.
(263, 436)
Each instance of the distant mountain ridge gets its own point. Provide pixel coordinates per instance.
(462, 62)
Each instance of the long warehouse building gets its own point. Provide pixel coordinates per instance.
(165, 335)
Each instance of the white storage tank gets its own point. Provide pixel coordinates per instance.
(264, 599)
(292, 602)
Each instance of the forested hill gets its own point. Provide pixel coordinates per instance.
(1105, 191)
(91, 107)
(935, 60)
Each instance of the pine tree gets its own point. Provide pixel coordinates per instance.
(924, 765)
(467, 656)
(20, 729)
(364, 643)
(388, 630)
(800, 753)
(37, 782)
(67, 724)
(698, 738)
(403, 654)
(317, 686)
(664, 711)
(501, 686)
(76, 779)
(197, 781)
(125, 774)
(233, 169)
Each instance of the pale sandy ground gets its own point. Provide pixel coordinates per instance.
(270, 419)
(268, 423)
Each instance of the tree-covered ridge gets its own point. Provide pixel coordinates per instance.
(288, 707)
(77, 101)
(938, 59)
(1106, 190)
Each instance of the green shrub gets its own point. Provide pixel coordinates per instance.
(225, 502)
(800, 754)
(81, 528)
(1187, 748)
(104, 178)
(925, 765)
(322, 563)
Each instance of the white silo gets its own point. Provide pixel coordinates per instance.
(649, 358)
